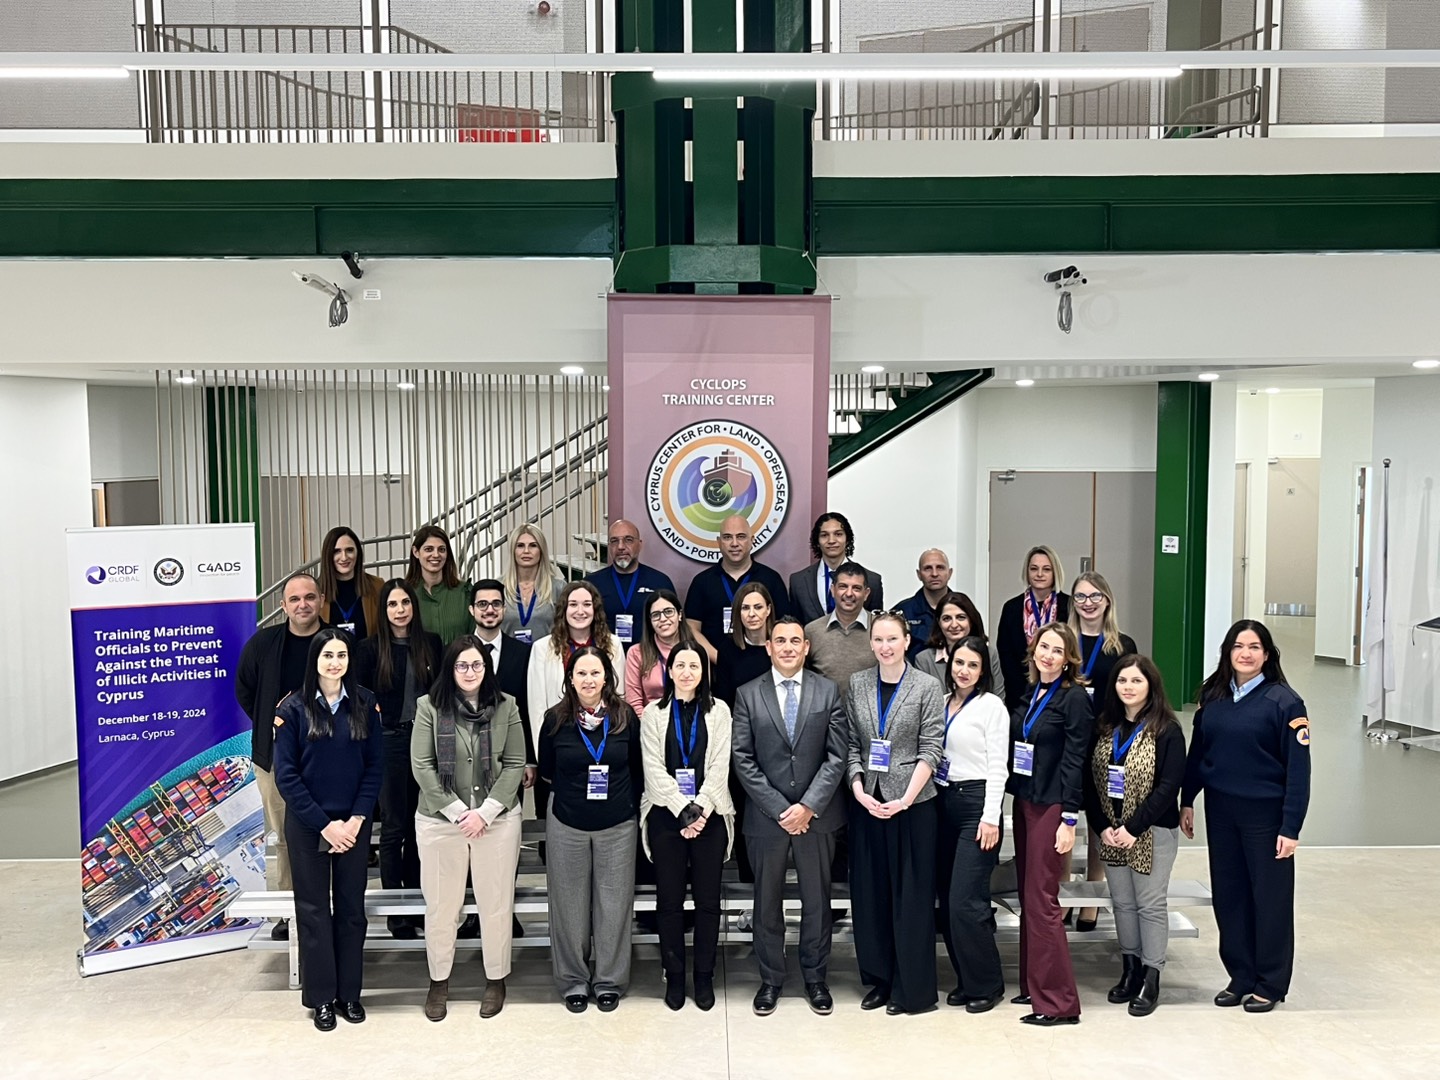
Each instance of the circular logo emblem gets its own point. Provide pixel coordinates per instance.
(95, 575)
(710, 471)
(169, 571)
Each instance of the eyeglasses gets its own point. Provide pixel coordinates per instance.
(488, 605)
(1087, 598)
(465, 667)
(659, 614)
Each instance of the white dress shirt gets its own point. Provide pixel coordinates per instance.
(977, 744)
(780, 688)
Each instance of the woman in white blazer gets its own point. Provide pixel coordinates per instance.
(685, 746)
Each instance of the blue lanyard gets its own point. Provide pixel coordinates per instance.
(625, 598)
(347, 612)
(694, 732)
(1094, 655)
(1035, 607)
(604, 737)
(725, 580)
(526, 612)
(829, 596)
(1037, 706)
(885, 712)
(1118, 752)
(950, 717)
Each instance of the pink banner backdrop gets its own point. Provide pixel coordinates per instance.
(719, 405)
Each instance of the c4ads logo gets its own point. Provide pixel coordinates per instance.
(708, 472)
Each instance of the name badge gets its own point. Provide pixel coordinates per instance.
(942, 774)
(1115, 782)
(725, 619)
(1091, 691)
(880, 755)
(1024, 758)
(686, 779)
(597, 783)
(524, 635)
(625, 628)
(348, 627)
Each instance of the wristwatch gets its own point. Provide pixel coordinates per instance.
(1069, 819)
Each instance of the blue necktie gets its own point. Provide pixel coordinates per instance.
(829, 595)
(792, 709)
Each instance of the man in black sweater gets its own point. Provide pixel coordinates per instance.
(272, 664)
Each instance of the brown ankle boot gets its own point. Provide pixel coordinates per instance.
(494, 999)
(436, 998)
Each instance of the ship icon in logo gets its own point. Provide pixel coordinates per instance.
(726, 480)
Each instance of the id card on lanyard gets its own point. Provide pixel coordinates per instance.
(597, 780)
(624, 621)
(1115, 774)
(880, 748)
(942, 774)
(1024, 748)
(685, 776)
(1090, 663)
(725, 614)
(524, 633)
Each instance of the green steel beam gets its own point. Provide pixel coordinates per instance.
(1182, 462)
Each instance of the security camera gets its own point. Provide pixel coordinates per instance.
(339, 302)
(351, 259)
(1065, 277)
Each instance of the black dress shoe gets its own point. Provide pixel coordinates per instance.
(704, 991)
(576, 1003)
(1258, 1005)
(608, 1001)
(1020, 999)
(675, 992)
(1228, 999)
(984, 1005)
(820, 1000)
(1041, 1020)
(402, 929)
(765, 999)
(876, 998)
(956, 997)
(281, 932)
(470, 928)
(325, 1017)
(517, 928)
(1084, 926)
(352, 1011)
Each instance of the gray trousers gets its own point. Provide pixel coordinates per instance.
(1142, 913)
(813, 853)
(591, 879)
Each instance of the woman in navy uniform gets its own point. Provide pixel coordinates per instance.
(1250, 754)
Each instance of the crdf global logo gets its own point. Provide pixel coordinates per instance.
(99, 575)
(95, 575)
(710, 471)
(169, 571)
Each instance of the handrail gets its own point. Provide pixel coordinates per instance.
(1032, 89)
(1175, 128)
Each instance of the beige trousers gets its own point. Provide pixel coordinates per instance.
(277, 870)
(446, 855)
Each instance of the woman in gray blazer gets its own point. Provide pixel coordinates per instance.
(897, 729)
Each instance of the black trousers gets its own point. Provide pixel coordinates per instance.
(399, 796)
(678, 861)
(814, 853)
(892, 891)
(329, 913)
(1254, 893)
(962, 886)
(741, 849)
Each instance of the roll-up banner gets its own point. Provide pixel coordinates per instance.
(171, 828)
(719, 405)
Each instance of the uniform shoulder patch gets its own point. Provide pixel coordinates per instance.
(1300, 721)
(1302, 735)
(279, 721)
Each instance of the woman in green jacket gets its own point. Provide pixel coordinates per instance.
(467, 751)
(435, 577)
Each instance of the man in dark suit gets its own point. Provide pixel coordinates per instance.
(832, 542)
(510, 659)
(789, 748)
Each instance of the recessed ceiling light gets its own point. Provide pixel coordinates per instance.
(1024, 382)
(1208, 376)
(185, 380)
(873, 369)
(1426, 365)
(606, 388)
(404, 386)
(1272, 390)
(572, 369)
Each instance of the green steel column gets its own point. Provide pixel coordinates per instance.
(1182, 463)
(232, 458)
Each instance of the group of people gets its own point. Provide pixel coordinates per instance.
(800, 726)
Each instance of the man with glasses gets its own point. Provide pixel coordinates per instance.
(709, 603)
(840, 641)
(919, 610)
(626, 583)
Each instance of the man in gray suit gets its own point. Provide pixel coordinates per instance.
(789, 747)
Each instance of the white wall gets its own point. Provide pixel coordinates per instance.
(1404, 431)
(917, 491)
(1347, 417)
(122, 433)
(1220, 514)
(1295, 423)
(45, 489)
(1252, 446)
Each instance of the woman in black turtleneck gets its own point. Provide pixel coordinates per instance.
(397, 664)
(350, 598)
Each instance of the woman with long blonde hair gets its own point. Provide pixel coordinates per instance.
(531, 585)
(1043, 602)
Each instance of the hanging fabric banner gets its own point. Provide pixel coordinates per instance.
(171, 828)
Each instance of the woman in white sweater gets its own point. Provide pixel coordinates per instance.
(972, 775)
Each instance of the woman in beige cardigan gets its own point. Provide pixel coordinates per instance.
(685, 745)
